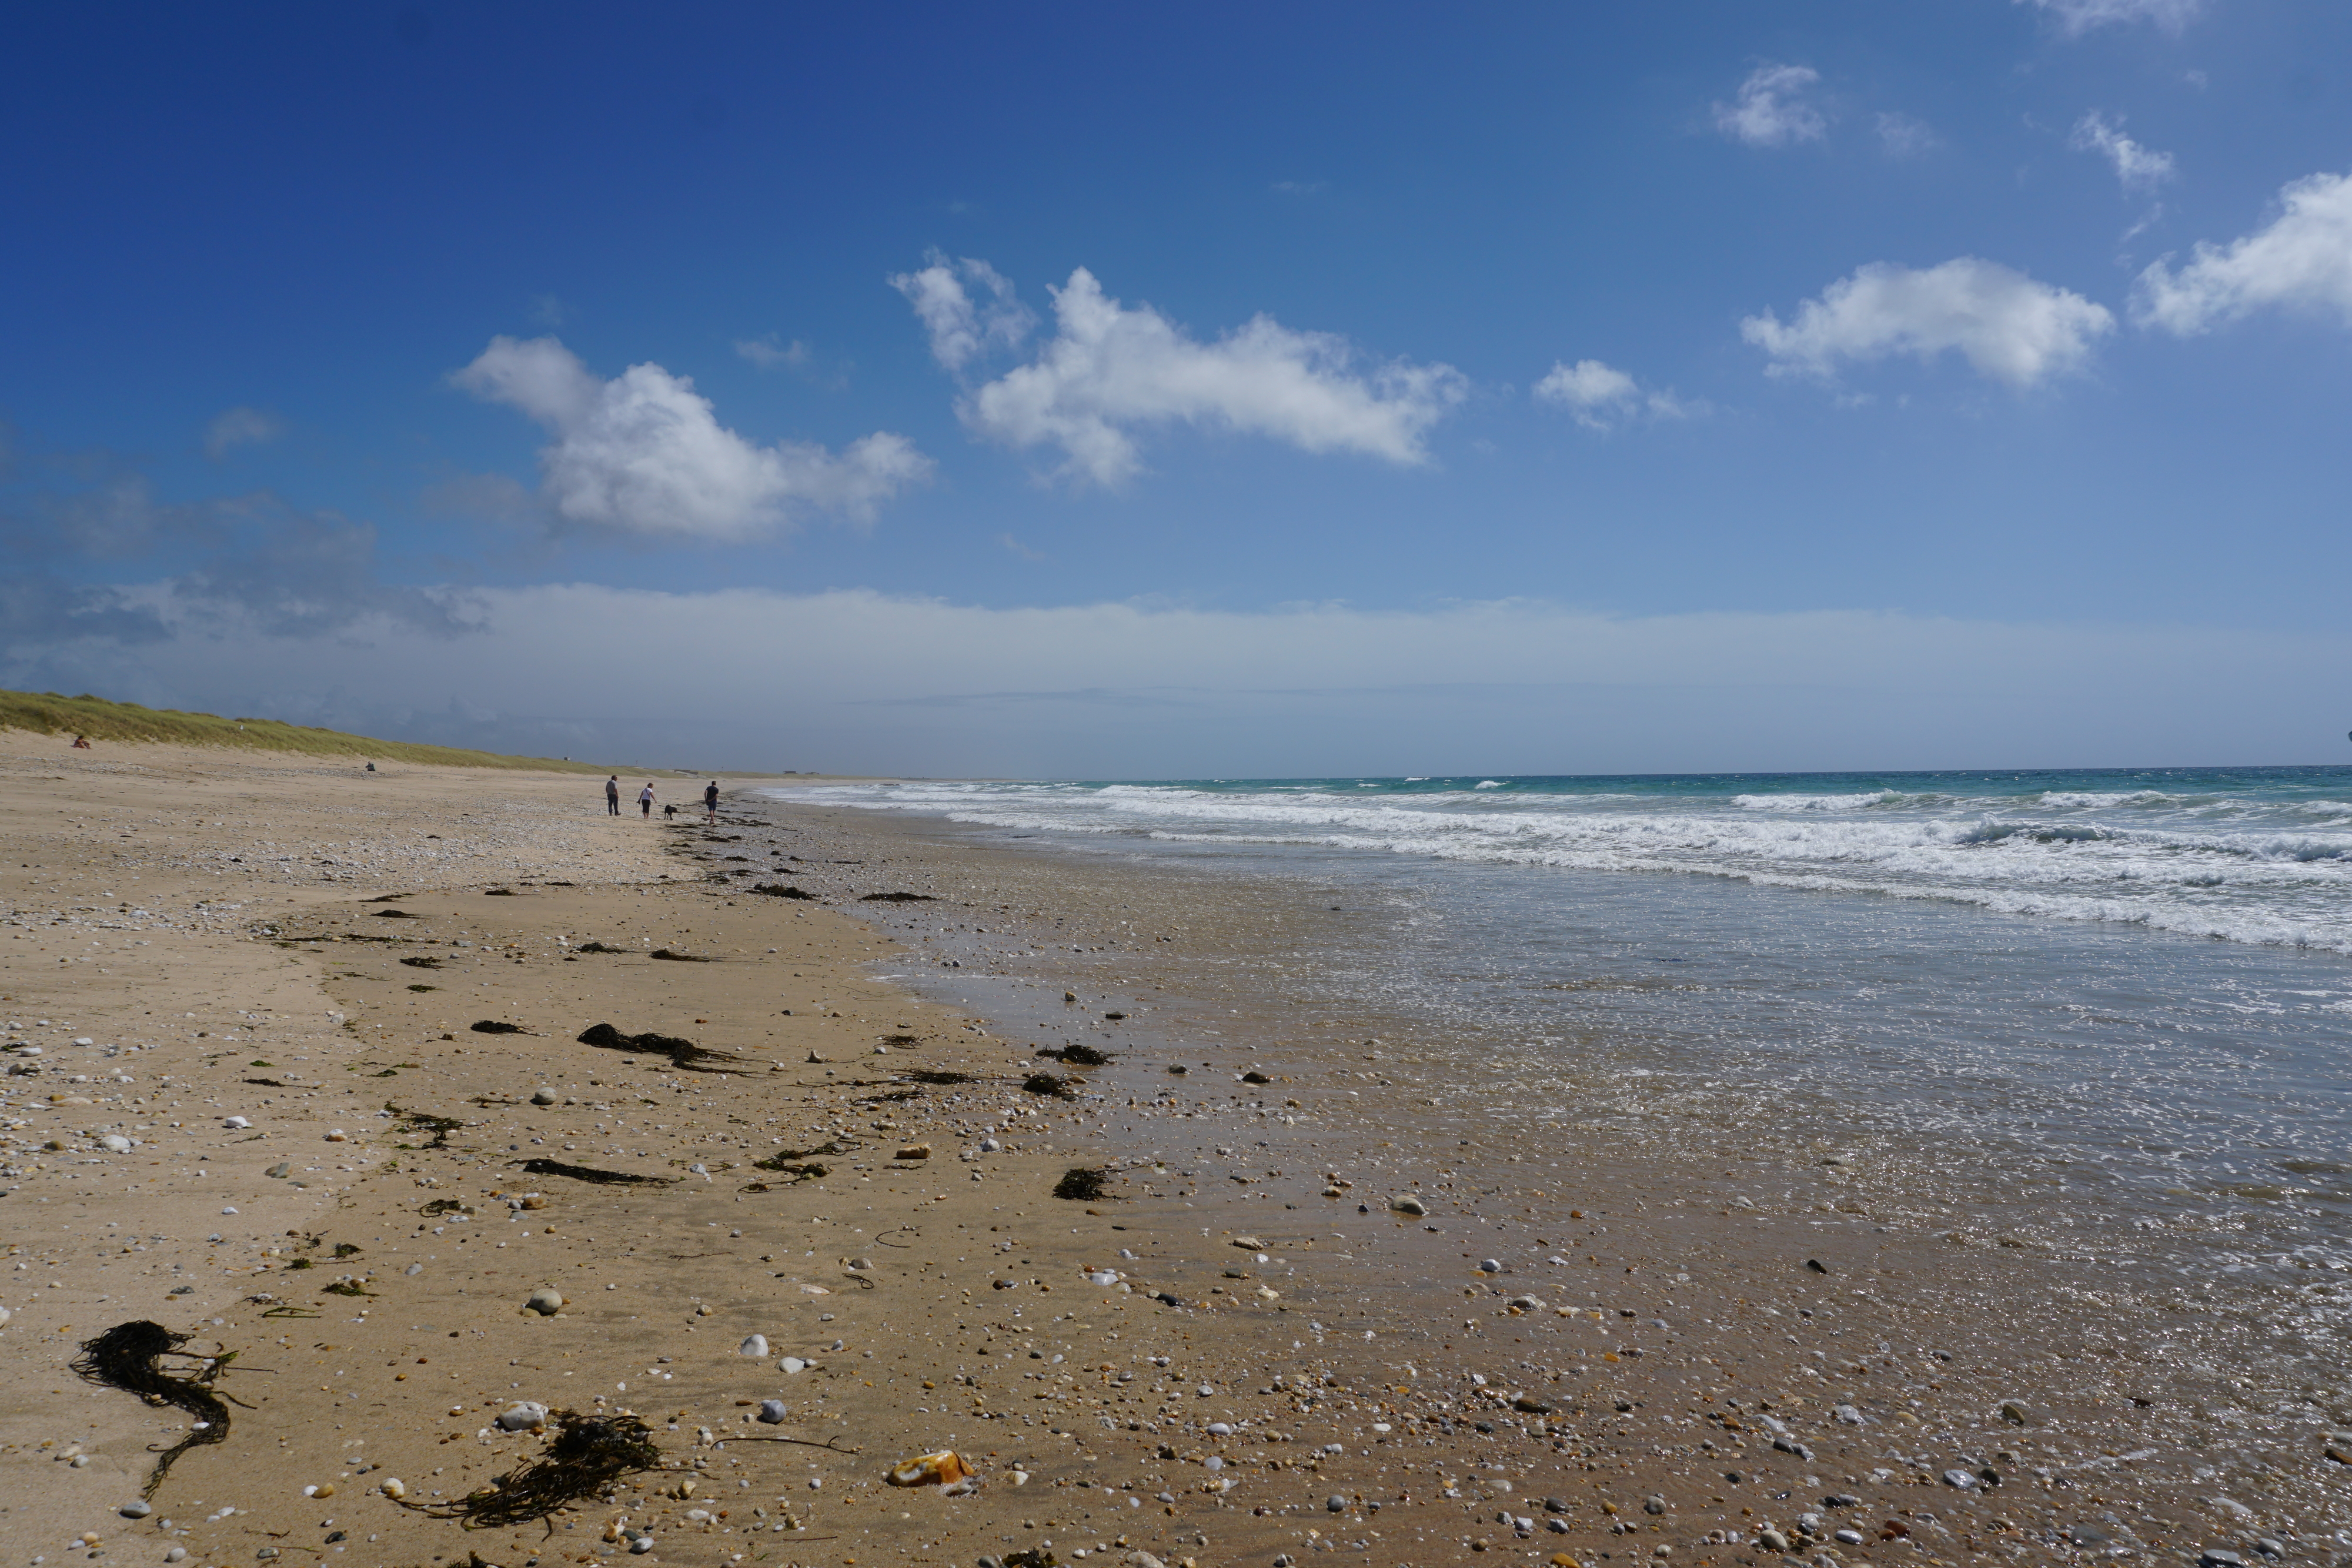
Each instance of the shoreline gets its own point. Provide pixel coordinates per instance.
(1455, 1412)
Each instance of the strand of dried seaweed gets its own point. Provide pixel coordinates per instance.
(683, 1054)
(587, 1455)
(591, 1174)
(129, 1357)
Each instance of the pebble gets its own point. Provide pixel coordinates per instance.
(135, 1509)
(642, 1544)
(115, 1143)
(756, 1344)
(2014, 1413)
(1336, 1503)
(989, 1146)
(1102, 1277)
(415, 1269)
(282, 1169)
(1528, 1303)
(1771, 1541)
(337, 1136)
(1221, 1429)
(236, 1122)
(1489, 1266)
(542, 1097)
(546, 1301)
(792, 1363)
(522, 1416)
(1848, 1414)
(1653, 1504)
(1408, 1205)
(772, 1412)
(177, 1554)
(1960, 1478)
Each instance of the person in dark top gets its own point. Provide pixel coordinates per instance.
(711, 800)
(612, 796)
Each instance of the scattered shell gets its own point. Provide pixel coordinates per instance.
(236, 1121)
(338, 1135)
(393, 1488)
(943, 1468)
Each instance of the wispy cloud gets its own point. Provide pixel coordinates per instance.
(645, 453)
(2075, 17)
(2138, 169)
(1901, 136)
(2009, 327)
(1112, 371)
(771, 355)
(1601, 397)
(1771, 107)
(2301, 260)
(240, 427)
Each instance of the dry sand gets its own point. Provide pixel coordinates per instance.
(1654, 1370)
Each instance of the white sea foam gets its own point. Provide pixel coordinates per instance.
(2225, 864)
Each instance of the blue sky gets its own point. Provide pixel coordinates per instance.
(1557, 388)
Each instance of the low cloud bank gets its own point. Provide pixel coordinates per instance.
(858, 681)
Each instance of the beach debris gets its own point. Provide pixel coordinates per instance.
(587, 1455)
(1254, 1076)
(523, 1416)
(394, 1488)
(394, 914)
(129, 1357)
(1405, 1203)
(772, 1412)
(422, 962)
(943, 1468)
(546, 1301)
(915, 1152)
(778, 890)
(1816, 1266)
(423, 1122)
(1527, 1303)
(683, 1053)
(591, 1174)
(900, 898)
(597, 947)
(492, 1026)
(930, 1075)
(235, 1124)
(1177, 1070)
(1083, 1184)
(1047, 1083)
(542, 1097)
(677, 958)
(1077, 1055)
(754, 1344)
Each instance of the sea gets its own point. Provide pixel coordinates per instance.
(2107, 1011)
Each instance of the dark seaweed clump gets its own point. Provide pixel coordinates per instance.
(900, 898)
(129, 1357)
(682, 957)
(588, 1454)
(1047, 1083)
(597, 947)
(492, 1026)
(1077, 1055)
(682, 1053)
(394, 914)
(591, 1174)
(421, 963)
(778, 889)
(1082, 1184)
(932, 1075)
(424, 1122)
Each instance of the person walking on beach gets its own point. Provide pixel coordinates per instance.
(645, 799)
(711, 800)
(612, 796)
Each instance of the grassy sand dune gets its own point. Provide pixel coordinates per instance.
(46, 712)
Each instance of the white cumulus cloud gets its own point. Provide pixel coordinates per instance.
(960, 328)
(240, 427)
(2303, 258)
(2006, 324)
(1109, 370)
(1770, 109)
(2075, 17)
(644, 453)
(1600, 395)
(2138, 168)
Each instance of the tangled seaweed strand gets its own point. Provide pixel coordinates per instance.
(1082, 1184)
(587, 1454)
(591, 1174)
(683, 1054)
(424, 1122)
(1077, 1055)
(900, 898)
(930, 1075)
(778, 890)
(1047, 1083)
(129, 1357)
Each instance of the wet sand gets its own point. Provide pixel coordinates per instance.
(1655, 1362)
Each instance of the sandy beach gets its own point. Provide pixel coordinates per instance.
(1317, 1307)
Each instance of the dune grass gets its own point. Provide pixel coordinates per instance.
(46, 712)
